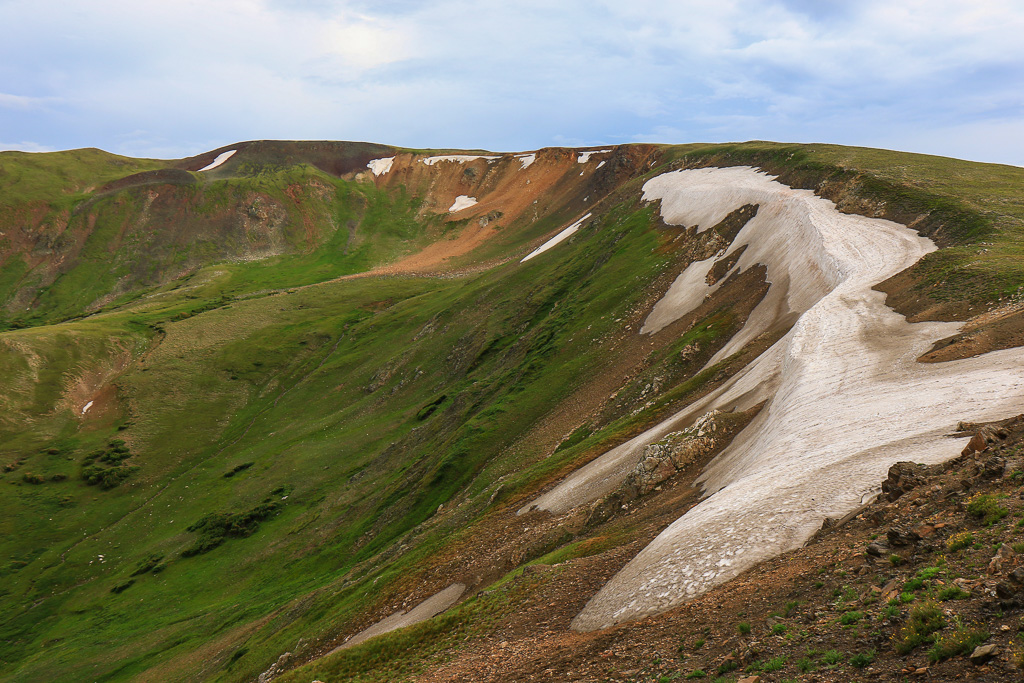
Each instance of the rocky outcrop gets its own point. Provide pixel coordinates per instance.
(674, 452)
(903, 477)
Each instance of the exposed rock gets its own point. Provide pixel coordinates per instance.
(898, 536)
(1003, 560)
(676, 451)
(879, 549)
(983, 653)
(993, 468)
(689, 352)
(984, 438)
(276, 669)
(903, 477)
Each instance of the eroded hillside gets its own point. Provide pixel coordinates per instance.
(259, 400)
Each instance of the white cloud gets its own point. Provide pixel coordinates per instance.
(505, 75)
(8, 101)
(25, 146)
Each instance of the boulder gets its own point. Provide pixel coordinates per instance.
(903, 477)
(898, 536)
(879, 549)
(1003, 560)
(983, 653)
(678, 450)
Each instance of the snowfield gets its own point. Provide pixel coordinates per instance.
(526, 160)
(458, 158)
(221, 158)
(846, 397)
(430, 607)
(462, 202)
(584, 157)
(380, 166)
(556, 239)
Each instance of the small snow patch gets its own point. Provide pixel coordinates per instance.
(221, 158)
(461, 202)
(526, 160)
(460, 158)
(380, 166)
(584, 157)
(86, 407)
(556, 239)
(602, 164)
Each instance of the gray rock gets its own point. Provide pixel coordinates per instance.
(983, 653)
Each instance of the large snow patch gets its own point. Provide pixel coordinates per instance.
(584, 157)
(462, 202)
(380, 166)
(221, 158)
(846, 397)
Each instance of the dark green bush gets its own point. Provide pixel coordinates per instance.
(215, 528)
(924, 620)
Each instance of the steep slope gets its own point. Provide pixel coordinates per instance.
(309, 387)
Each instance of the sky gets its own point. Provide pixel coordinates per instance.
(171, 79)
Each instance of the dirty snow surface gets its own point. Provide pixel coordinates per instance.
(459, 158)
(584, 157)
(430, 607)
(380, 166)
(556, 239)
(461, 202)
(846, 397)
(86, 407)
(221, 158)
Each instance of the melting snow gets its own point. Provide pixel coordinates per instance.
(602, 164)
(430, 607)
(86, 407)
(556, 239)
(526, 160)
(584, 157)
(846, 397)
(380, 166)
(221, 158)
(461, 202)
(460, 158)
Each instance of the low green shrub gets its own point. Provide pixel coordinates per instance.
(862, 659)
(953, 593)
(959, 541)
(986, 508)
(851, 618)
(216, 528)
(924, 620)
(961, 641)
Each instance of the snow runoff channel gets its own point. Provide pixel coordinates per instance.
(846, 396)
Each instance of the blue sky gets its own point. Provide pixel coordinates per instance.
(170, 79)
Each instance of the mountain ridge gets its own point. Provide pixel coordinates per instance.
(333, 431)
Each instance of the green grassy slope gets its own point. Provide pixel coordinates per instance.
(272, 442)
